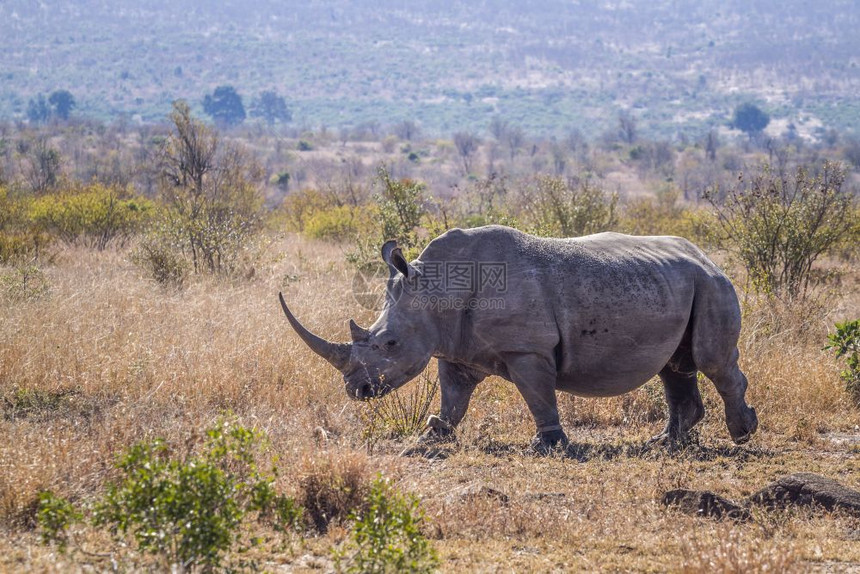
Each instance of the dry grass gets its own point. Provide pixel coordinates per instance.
(109, 359)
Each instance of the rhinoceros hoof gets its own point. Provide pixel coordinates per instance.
(437, 435)
(673, 441)
(743, 426)
(545, 443)
(430, 452)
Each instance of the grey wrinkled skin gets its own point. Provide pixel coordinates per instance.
(595, 316)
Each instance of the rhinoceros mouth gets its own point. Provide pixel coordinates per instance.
(364, 388)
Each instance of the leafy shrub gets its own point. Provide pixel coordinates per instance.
(18, 247)
(94, 215)
(212, 206)
(54, 516)
(340, 223)
(281, 179)
(188, 508)
(400, 213)
(299, 207)
(845, 342)
(778, 226)
(663, 215)
(485, 202)
(20, 242)
(386, 536)
(402, 205)
(565, 208)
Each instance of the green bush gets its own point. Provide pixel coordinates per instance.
(299, 207)
(400, 212)
(402, 206)
(340, 223)
(188, 508)
(485, 202)
(20, 241)
(564, 208)
(778, 225)
(213, 208)
(54, 516)
(845, 342)
(386, 536)
(18, 247)
(665, 215)
(94, 215)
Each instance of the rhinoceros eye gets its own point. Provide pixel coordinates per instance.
(390, 344)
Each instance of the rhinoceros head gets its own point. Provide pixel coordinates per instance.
(395, 349)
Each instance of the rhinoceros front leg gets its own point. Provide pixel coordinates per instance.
(457, 384)
(535, 378)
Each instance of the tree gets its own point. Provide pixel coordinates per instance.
(41, 164)
(750, 119)
(212, 203)
(778, 225)
(627, 127)
(467, 144)
(498, 128)
(225, 106)
(407, 130)
(712, 143)
(515, 138)
(62, 103)
(38, 110)
(271, 107)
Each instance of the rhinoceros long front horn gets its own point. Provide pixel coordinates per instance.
(335, 353)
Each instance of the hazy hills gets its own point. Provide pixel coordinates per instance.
(548, 66)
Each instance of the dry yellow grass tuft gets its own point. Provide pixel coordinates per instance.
(109, 358)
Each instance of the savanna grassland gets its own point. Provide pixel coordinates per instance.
(160, 323)
(114, 360)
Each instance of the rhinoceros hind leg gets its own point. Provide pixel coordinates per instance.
(731, 383)
(741, 419)
(686, 408)
(716, 328)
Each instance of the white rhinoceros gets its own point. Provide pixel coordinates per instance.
(595, 316)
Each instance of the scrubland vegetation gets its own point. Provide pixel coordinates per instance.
(678, 66)
(157, 410)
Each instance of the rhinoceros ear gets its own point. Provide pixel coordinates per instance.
(393, 256)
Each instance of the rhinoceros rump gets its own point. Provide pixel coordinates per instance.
(595, 316)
